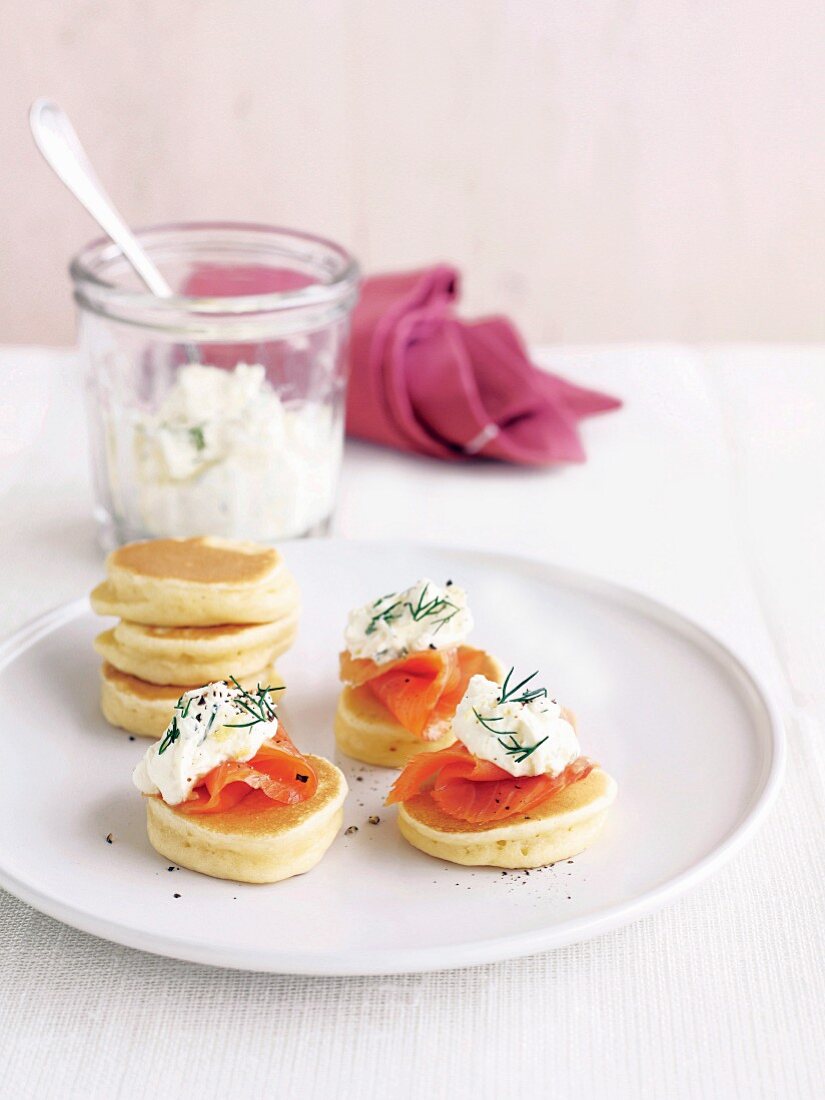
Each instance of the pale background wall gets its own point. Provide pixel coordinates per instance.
(605, 170)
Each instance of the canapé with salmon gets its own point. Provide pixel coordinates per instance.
(513, 790)
(228, 793)
(405, 668)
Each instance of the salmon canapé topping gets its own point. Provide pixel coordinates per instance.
(478, 791)
(422, 690)
(277, 773)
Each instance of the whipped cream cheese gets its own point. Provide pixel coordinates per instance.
(523, 738)
(209, 727)
(425, 616)
(224, 453)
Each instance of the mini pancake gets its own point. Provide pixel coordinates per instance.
(196, 582)
(194, 655)
(146, 709)
(367, 731)
(559, 829)
(264, 846)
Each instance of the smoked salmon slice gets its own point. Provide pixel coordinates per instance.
(478, 791)
(276, 773)
(360, 670)
(421, 691)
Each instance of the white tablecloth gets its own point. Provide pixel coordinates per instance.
(706, 491)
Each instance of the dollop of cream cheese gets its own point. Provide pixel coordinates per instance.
(425, 616)
(225, 452)
(209, 727)
(530, 738)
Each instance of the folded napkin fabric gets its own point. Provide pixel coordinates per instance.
(424, 380)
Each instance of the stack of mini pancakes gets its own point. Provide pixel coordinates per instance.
(191, 611)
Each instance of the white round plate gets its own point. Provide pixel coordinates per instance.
(668, 711)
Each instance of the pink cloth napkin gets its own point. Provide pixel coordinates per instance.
(424, 380)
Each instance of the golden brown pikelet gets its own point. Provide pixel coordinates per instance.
(194, 655)
(264, 846)
(147, 709)
(196, 582)
(559, 829)
(367, 731)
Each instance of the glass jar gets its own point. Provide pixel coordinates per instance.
(220, 410)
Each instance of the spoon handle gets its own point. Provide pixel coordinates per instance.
(57, 141)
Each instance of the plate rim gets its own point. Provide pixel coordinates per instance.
(386, 961)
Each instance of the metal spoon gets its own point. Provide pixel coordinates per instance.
(57, 141)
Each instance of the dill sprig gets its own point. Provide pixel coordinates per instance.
(510, 694)
(427, 609)
(485, 721)
(256, 704)
(171, 736)
(513, 747)
(197, 437)
(421, 609)
(385, 615)
(519, 751)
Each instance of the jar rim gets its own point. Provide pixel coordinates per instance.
(101, 251)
